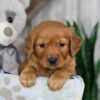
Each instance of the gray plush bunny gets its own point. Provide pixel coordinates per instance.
(12, 21)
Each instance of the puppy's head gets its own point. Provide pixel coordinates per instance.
(52, 42)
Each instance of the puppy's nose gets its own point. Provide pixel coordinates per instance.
(52, 60)
(8, 31)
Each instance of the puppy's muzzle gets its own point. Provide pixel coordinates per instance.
(52, 60)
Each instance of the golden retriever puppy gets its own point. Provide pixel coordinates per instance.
(51, 49)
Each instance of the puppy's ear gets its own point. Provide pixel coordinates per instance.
(29, 43)
(75, 43)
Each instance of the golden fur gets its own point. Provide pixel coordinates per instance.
(50, 39)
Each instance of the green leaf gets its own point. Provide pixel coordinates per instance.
(80, 31)
(77, 29)
(80, 67)
(97, 68)
(95, 91)
(84, 33)
(69, 23)
(88, 59)
(93, 36)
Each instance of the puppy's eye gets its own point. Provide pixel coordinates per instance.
(62, 45)
(42, 45)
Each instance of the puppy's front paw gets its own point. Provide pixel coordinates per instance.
(27, 79)
(55, 83)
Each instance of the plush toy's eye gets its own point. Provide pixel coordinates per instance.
(10, 16)
(10, 20)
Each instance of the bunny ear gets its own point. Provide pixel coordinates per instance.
(25, 3)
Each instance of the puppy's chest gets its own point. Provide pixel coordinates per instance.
(44, 72)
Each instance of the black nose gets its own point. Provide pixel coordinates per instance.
(52, 60)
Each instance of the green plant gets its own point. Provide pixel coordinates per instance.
(85, 61)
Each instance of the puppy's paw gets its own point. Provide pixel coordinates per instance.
(27, 79)
(55, 83)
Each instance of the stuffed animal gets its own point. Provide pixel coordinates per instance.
(12, 21)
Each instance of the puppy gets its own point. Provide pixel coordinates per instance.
(51, 49)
